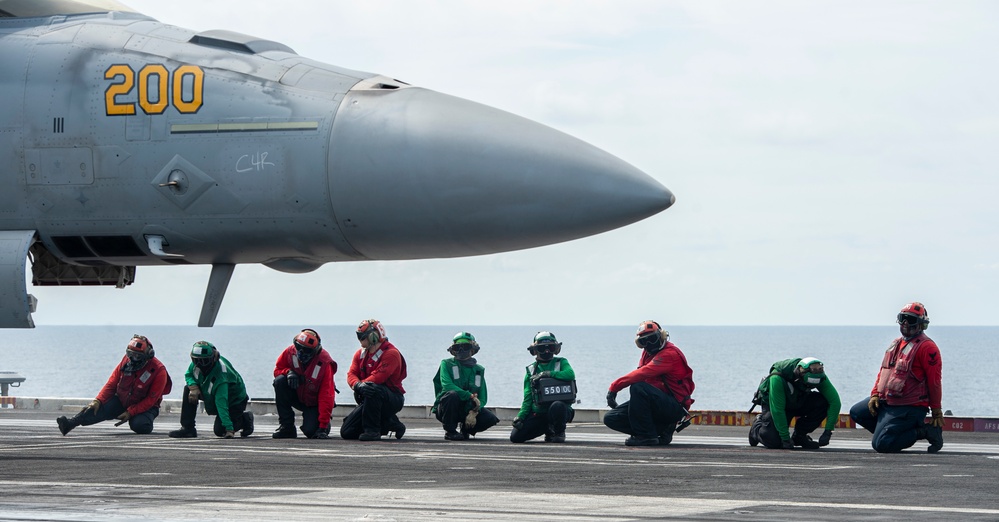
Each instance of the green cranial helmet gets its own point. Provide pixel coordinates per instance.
(463, 338)
(811, 374)
(545, 346)
(203, 350)
(463, 346)
(545, 338)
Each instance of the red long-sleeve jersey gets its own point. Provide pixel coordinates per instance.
(385, 366)
(927, 367)
(139, 391)
(666, 370)
(316, 387)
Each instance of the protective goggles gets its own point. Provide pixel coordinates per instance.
(545, 348)
(650, 341)
(907, 319)
(135, 355)
(464, 347)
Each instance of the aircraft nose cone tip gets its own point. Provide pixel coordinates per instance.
(466, 179)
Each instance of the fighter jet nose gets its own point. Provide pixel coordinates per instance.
(415, 173)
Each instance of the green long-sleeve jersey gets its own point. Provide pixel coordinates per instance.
(783, 391)
(559, 368)
(220, 388)
(463, 380)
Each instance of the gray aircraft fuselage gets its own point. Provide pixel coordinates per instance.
(127, 142)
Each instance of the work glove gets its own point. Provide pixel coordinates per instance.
(322, 433)
(518, 423)
(122, 419)
(229, 434)
(473, 414)
(292, 380)
(612, 399)
(786, 444)
(366, 389)
(873, 405)
(937, 418)
(193, 394)
(538, 376)
(824, 438)
(93, 406)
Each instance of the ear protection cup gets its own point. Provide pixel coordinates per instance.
(372, 330)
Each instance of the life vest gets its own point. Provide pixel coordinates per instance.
(679, 380)
(311, 375)
(133, 388)
(897, 385)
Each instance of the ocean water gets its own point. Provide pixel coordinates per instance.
(728, 361)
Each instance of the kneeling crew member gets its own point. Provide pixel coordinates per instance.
(460, 385)
(660, 391)
(376, 374)
(543, 418)
(908, 384)
(212, 379)
(132, 394)
(303, 380)
(788, 392)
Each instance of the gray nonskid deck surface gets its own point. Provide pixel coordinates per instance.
(105, 473)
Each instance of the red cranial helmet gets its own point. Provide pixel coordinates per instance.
(914, 314)
(650, 336)
(307, 340)
(372, 330)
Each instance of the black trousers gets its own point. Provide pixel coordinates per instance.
(374, 414)
(810, 415)
(650, 412)
(451, 411)
(286, 400)
(141, 423)
(189, 412)
(559, 414)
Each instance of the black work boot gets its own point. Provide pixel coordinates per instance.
(934, 436)
(247, 424)
(66, 425)
(640, 441)
(183, 433)
(399, 428)
(803, 440)
(666, 436)
(368, 436)
(285, 431)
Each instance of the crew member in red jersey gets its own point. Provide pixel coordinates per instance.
(132, 394)
(660, 391)
(906, 386)
(376, 374)
(303, 380)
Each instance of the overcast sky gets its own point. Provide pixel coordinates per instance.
(831, 162)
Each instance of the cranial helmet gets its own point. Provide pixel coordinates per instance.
(307, 345)
(372, 330)
(914, 313)
(650, 336)
(808, 376)
(545, 346)
(463, 346)
(204, 354)
(139, 350)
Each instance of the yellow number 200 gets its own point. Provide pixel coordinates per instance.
(156, 91)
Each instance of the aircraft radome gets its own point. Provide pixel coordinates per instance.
(127, 142)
